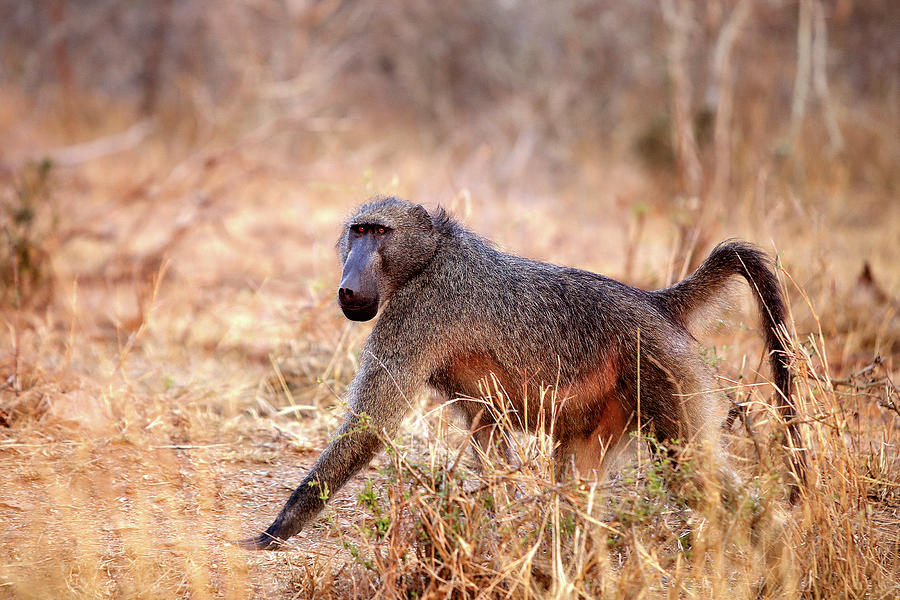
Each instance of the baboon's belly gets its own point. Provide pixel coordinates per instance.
(476, 376)
(535, 401)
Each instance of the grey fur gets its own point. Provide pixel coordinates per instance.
(455, 310)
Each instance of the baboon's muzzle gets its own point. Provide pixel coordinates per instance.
(358, 291)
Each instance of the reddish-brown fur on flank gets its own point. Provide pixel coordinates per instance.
(611, 423)
(590, 403)
(593, 401)
(588, 418)
(598, 383)
(474, 375)
(591, 451)
(473, 367)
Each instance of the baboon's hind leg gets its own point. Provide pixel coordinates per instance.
(695, 435)
(587, 455)
(486, 434)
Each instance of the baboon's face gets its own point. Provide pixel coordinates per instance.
(358, 293)
(385, 244)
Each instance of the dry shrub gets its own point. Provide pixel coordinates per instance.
(30, 225)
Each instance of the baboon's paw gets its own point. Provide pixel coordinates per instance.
(263, 541)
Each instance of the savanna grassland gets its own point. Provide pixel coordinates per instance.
(173, 178)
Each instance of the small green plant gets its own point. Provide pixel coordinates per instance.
(323, 489)
(711, 356)
(367, 498)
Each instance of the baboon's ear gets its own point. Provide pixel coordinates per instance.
(421, 215)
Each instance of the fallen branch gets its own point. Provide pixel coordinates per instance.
(70, 156)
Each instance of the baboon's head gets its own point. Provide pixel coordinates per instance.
(385, 243)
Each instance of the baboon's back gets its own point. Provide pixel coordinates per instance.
(535, 324)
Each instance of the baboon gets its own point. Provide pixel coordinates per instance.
(455, 310)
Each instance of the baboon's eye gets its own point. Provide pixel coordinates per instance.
(381, 230)
(360, 228)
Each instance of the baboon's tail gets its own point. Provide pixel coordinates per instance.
(685, 299)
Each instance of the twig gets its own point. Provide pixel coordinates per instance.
(13, 328)
(804, 66)
(14, 259)
(741, 411)
(139, 333)
(820, 77)
(189, 447)
(9, 382)
(848, 380)
(71, 156)
(723, 95)
(677, 15)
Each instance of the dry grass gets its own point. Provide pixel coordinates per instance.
(151, 415)
(172, 359)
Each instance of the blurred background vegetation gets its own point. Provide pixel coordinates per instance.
(683, 109)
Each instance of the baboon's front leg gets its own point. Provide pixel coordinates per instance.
(379, 391)
(353, 448)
